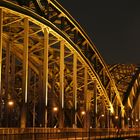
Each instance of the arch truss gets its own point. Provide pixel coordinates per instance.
(51, 70)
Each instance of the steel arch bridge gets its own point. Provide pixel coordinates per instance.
(52, 75)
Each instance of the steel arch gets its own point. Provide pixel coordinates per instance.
(60, 26)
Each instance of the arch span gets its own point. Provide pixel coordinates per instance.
(48, 62)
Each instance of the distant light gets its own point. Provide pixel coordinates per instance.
(55, 109)
(83, 112)
(116, 117)
(128, 119)
(102, 115)
(10, 103)
(137, 120)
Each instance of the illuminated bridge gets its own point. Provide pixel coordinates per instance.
(53, 79)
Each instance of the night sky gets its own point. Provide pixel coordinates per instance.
(112, 25)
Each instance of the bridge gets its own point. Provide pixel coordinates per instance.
(53, 79)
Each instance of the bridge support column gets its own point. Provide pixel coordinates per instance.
(107, 124)
(122, 119)
(75, 89)
(61, 106)
(43, 81)
(7, 83)
(95, 105)
(45, 73)
(87, 98)
(25, 73)
(1, 31)
(139, 111)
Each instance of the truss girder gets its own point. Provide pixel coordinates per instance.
(53, 12)
(127, 77)
(64, 45)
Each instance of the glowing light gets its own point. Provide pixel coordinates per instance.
(102, 115)
(55, 109)
(116, 117)
(10, 103)
(137, 120)
(83, 112)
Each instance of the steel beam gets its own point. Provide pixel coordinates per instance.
(7, 68)
(75, 89)
(25, 73)
(87, 98)
(45, 71)
(95, 104)
(139, 111)
(1, 31)
(61, 98)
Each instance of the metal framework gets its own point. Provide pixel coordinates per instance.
(127, 80)
(51, 74)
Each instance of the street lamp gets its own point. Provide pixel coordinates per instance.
(83, 112)
(54, 117)
(116, 117)
(100, 121)
(102, 115)
(55, 109)
(128, 122)
(10, 103)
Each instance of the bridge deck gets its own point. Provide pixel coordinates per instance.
(65, 133)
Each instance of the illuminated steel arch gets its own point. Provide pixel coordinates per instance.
(47, 61)
(127, 79)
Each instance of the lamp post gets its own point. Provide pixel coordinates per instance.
(116, 121)
(137, 122)
(55, 110)
(128, 121)
(10, 105)
(99, 119)
(83, 113)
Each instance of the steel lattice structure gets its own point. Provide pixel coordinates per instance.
(127, 78)
(53, 72)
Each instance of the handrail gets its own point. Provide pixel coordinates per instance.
(55, 133)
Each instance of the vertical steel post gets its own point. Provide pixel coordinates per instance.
(139, 111)
(25, 73)
(40, 109)
(75, 88)
(13, 73)
(45, 72)
(87, 99)
(116, 114)
(7, 82)
(61, 107)
(122, 119)
(1, 31)
(95, 104)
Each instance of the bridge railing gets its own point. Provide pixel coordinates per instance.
(66, 133)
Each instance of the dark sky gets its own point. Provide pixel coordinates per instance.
(112, 25)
